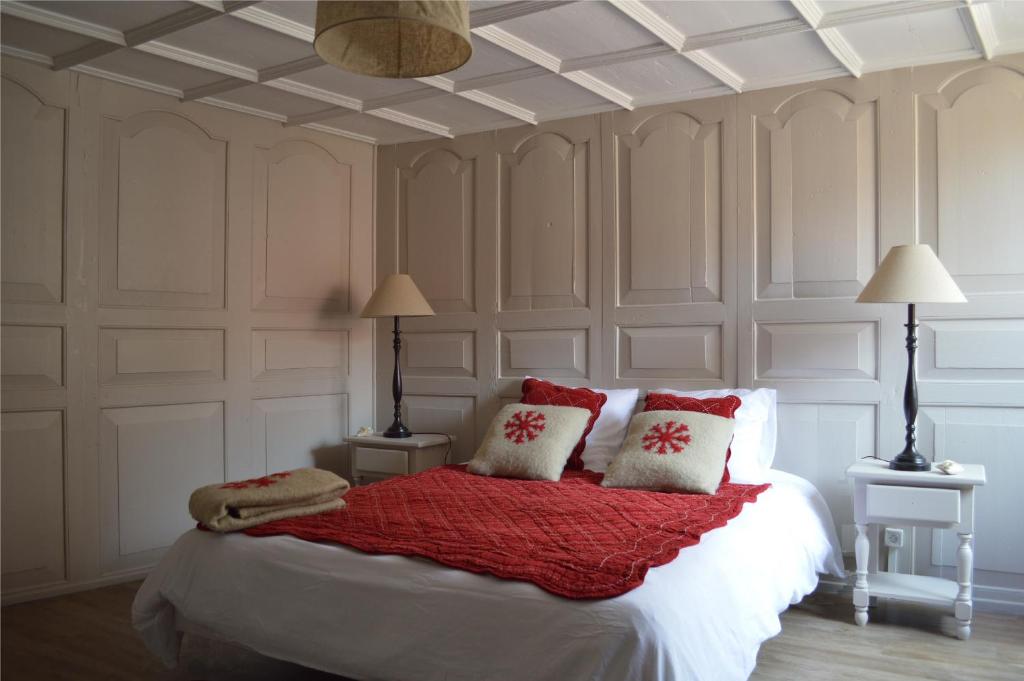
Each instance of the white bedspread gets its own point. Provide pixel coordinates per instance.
(702, 616)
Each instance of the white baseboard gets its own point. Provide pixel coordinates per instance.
(35, 593)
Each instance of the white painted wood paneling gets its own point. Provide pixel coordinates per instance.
(33, 498)
(299, 432)
(166, 265)
(33, 206)
(33, 356)
(163, 212)
(151, 458)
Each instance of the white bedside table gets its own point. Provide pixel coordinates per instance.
(925, 499)
(379, 457)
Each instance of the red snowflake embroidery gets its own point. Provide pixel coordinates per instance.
(524, 426)
(662, 437)
(265, 481)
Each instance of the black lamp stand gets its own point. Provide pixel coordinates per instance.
(397, 428)
(910, 459)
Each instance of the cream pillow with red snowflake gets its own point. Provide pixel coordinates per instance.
(670, 451)
(530, 441)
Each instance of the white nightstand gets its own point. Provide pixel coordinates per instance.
(926, 499)
(376, 457)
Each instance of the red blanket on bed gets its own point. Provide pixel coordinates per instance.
(573, 538)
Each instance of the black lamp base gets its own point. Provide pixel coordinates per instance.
(910, 462)
(397, 429)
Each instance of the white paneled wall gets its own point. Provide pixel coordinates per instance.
(179, 286)
(722, 242)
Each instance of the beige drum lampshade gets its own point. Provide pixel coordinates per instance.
(394, 39)
(397, 296)
(911, 274)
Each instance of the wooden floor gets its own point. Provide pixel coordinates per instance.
(88, 636)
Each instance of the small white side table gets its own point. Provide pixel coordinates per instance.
(924, 499)
(376, 457)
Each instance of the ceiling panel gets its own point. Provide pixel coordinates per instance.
(548, 95)
(374, 128)
(662, 79)
(121, 16)
(33, 37)
(456, 113)
(354, 85)
(487, 59)
(153, 69)
(580, 29)
(699, 17)
(1007, 20)
(914, 39)
(239, 42)
(272, 101)
(299, 11)
(777, 59)
(625, 55)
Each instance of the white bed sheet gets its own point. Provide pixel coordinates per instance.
(702, 616)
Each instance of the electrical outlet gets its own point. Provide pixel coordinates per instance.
(894, 537)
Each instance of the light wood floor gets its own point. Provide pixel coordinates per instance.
(88, 636)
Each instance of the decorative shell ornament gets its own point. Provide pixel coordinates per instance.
(950, 467)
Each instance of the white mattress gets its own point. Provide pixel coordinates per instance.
(702, 616)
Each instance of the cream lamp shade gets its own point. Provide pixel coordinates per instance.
(397, 296)
(392, 39)
(911, 274)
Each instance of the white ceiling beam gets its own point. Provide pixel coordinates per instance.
(674, 38)
(274, 22)
(512, 10)
(411, 121)
(834, 41)
(977, 21)
(530, 52)
(108, 40)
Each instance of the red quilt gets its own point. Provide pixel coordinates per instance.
(573, 538)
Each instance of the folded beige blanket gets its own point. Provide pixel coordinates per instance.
(237, 505)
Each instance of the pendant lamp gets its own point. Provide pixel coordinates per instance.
(394, 39)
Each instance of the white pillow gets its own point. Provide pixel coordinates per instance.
(605, 439)
(753, 444)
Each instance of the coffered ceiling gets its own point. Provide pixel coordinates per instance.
(533, 60)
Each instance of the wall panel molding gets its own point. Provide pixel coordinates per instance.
(163, 205)
(561, 353)
(816, 350)
(33, 498)
(299, 353)
(816, 205)
(301, 432)
(148, 356)
(692, 352)
(151, 458)
(33, 205)
(668, 193)
(436, 212)
(302, 204)
(970, 159)
(544, 198)
(33, 356)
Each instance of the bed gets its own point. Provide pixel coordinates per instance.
(328, 607)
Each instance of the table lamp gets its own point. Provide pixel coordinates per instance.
(397, 296)
(911, 274)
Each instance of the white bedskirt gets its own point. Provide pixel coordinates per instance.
(702, 616)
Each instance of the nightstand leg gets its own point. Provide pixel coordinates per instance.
(963, 606)
(862, 549)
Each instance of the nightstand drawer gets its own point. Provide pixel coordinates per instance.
(925, 504)
(388, 461)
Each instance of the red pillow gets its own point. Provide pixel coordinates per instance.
(539, 392)
(719, 406)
